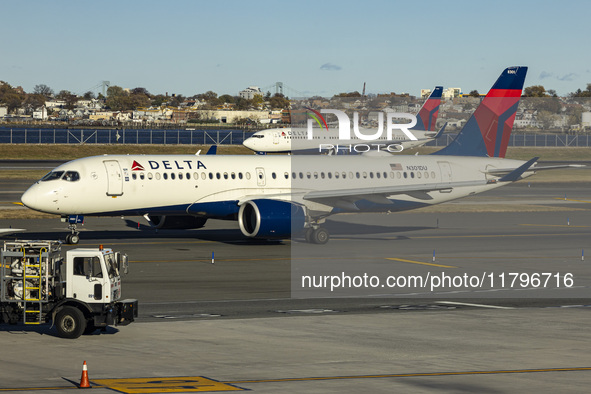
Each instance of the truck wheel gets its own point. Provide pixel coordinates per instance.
(70, 322)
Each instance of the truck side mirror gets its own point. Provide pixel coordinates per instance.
(122, 263)
(125, 264)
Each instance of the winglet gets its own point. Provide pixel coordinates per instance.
(440, 132)
(212, 150)
(516, 173)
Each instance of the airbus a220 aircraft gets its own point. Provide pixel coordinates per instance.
(275, 196)
(291, 139)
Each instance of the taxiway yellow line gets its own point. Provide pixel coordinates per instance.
(551, 225)
(568, 199)
(407, 375)
(420, 262)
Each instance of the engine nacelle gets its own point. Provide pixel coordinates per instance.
(177, 222)
(270, 218)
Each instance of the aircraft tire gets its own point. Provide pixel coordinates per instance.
(320, 236)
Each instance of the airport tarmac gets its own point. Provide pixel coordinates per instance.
(233, 325)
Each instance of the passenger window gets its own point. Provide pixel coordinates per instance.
(172, 176)
(211, 175)
(225, 175)
(188, 175)
(273, 175)
(134, 176)
(165, 175)
(322, 175)
(142, 176)
(233, 175)
(149, 175)
(218, 175)
(286, 175)
(239, 175)
(180, 175)
(157, 176)
(248, 175)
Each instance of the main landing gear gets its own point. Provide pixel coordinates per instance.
(318, 235)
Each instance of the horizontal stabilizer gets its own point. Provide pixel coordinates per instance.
(518, 172)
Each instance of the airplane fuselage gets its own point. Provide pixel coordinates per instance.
(216, 186)
(296, 139)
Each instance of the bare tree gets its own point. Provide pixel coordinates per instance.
(43, 90)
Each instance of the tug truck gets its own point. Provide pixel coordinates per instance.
(78, 292)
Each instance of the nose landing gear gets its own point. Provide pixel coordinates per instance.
(73, 221)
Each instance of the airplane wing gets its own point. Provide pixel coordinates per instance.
(345, 197)
(502, 171)
(5, 231)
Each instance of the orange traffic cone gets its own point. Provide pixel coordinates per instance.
(84, 383)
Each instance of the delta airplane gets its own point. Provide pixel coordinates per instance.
(296, 139)
(278, 195)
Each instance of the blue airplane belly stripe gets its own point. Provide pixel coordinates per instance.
(212, 209)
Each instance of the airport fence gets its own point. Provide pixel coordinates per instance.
(121, 136)
(224, 137)
(530, 140)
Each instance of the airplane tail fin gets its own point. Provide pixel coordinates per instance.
(427, 116)
(488, 130)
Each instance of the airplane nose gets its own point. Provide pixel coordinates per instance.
(248, 143)
(29, 198)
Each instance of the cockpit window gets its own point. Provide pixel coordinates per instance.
(71, 176)
(258, 136)
(52, 176)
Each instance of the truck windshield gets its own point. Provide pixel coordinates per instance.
(111, 265)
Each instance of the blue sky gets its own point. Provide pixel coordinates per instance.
(313, 47)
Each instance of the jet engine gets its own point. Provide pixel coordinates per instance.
(177, 222)
(270, 218)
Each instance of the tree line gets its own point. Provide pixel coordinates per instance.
(119, 99)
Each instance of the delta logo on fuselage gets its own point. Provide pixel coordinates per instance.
(169, 165)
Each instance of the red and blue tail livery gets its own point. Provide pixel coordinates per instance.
(427, 116)
(488, 130)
